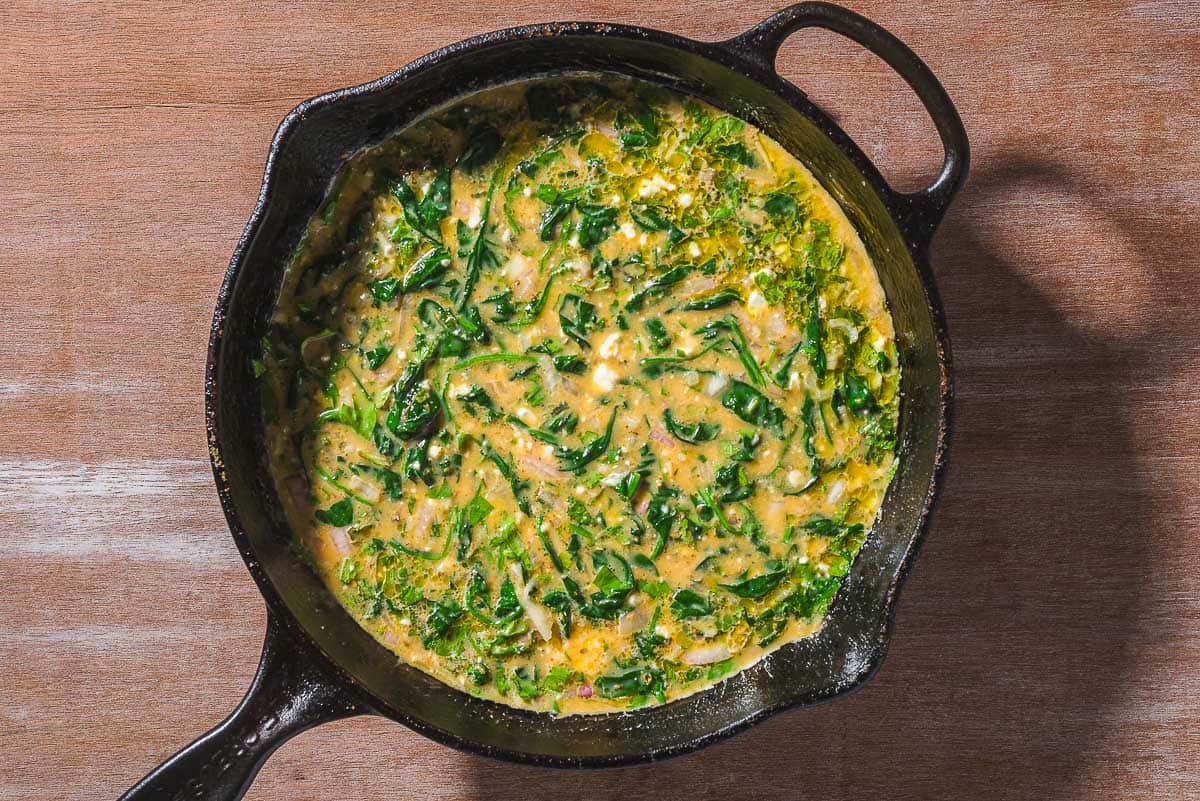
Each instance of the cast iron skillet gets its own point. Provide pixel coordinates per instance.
(317, 663)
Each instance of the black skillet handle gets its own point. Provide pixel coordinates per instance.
(290, 693)
(923, 209)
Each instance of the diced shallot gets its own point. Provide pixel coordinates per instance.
(715, 384)
(550, 376)
(540, 467)
(538, 615)
(363, 487)
(662, 438)
(339, 538)
(846, 327)
(776, 324)
(297, 487)
(634, 620)
(706, 655)
(836, 491)
(422, 520)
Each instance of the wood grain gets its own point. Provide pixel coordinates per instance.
(1046, 644)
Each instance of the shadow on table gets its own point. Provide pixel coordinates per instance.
(1013, 637)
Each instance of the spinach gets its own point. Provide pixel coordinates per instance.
(557, 212)
(360, 416)
(443, 616)
(425, 216)
(338, 515)
(808, 415)
(779, 204)
(503, 301)
(689, 604)
(823, 252)
(559, 677)
(649, 218)
(482, 254)
(811, 347)
(758, 586)
(432, 556)
(475, 512)
(743, 451)
(510, 475)
(736, 151)
(426, 271)
(482, 147)
(879, 437)
(693, 433)
(752, 406)
(577, 318)
(377, 355)
(658, 286)
(781, 376)
(631, 683)
(388, 446)
(416, 463)
(661, 514)
(414, 413)
(732, 483)
(632, 481)
(654, 366)
(858, 395)
(573, 460)
(638, 129)
(713, 300)
(569, 363)
(492, 358)
(562, 420)
(478, 402)
(729, 324)
(384, 289)
(595, 224)
(560, 602)
(660, 340)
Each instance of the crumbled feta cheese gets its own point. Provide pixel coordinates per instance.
(628, 230)
(608, 348)
(616, 200)
(654, 185)
(694, 250)
(685, 199)
(604, 377)
(794, 477)
(573, 241)
(527, 191)
(435, 451)
(525, 414)
(756, 302)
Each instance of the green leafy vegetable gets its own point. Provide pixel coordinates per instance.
(752, 406)
(689, 604)
(573, 460)
(578, 318)
(338, 515)
(693, 433)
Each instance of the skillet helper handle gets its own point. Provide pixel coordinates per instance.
(290, 693)
(923, 209)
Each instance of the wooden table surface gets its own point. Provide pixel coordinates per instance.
(1046, 645)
